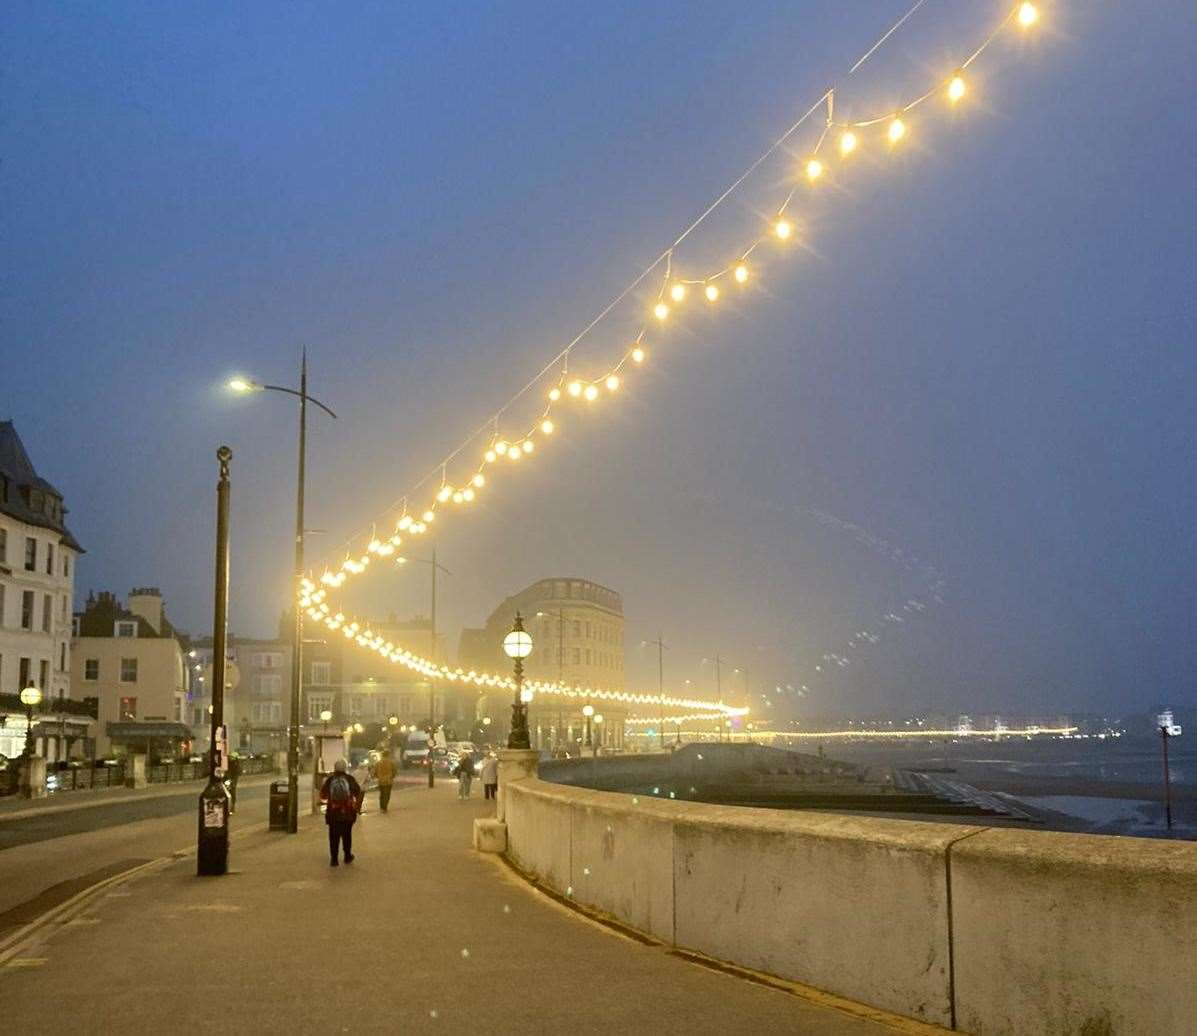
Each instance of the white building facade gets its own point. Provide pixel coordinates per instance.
(37, 578)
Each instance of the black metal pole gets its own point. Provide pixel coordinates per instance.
(1167, 780)
(297, 645)
(432, 684)
(212, 843)
(518, 738)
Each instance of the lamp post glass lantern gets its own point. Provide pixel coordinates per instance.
(517, 646)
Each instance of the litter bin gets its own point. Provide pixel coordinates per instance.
(278, 805)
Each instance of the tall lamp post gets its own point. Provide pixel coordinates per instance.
(517, 645)
(588, 712)
(1168, 729)
(243, 385)
(31, 697)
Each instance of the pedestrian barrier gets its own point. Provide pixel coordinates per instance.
(979, 928)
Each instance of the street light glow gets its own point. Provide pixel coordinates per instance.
(242, 385)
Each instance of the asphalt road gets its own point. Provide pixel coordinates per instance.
(26, 830)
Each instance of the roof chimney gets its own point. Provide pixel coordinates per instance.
(146, 603)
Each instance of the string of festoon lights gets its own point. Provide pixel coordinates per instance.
(839, 141)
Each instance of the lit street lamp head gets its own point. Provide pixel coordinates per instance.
(517, 644)
(31, 697)
(243, 385)
(326, 715)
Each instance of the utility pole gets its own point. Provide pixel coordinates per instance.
(297, 643)
(432, 683)
(659, 643)
(719, 691)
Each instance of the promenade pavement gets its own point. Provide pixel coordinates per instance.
(421, 934)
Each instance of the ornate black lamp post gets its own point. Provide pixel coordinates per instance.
(517, 645)
(31, 697)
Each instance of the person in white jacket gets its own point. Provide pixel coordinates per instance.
(490, 775)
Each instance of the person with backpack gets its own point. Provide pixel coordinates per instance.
(343, 798)
(464, 772)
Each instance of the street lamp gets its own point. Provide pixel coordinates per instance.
(244, 386)
(588, 711)
(325, 716)
(517, 645)
(31, 697)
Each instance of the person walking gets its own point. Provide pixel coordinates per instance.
(384, 773)
(343, 798)
(464, 772)
(490, 775)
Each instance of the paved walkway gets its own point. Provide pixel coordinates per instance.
(421, 934)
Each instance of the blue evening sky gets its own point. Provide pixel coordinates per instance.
(979, 354)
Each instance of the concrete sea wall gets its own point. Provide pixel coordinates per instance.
(982, 929)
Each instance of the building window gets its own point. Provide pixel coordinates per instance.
(128, 709)
(49, 559)
(62, 657)
(268, 660)
(27, 610)
(128, 670)
(47, 613)
(76, 626)
(23, 677)
(30, 554)
(317, 703)
(126, 629)
(66, 607)
(3, 546)
(322, 673)
(43, 674)
(588, 656)
(66, 565)
(2, 595)
(355, 705)
(270, 683)
(577, 655)
(91, 669)
(577, 628)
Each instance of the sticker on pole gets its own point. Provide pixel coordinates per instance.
(213, 814)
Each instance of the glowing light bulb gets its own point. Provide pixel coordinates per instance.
(814, 169)
(529, 445)
(479, 480)
(591, 393)
(660, 311)
(711, 292)
(897, 129)
(444, 494)
(848, 142)
(514, 454)
(956, 88)
(575, 388)
(458, 496)
(501, 448)
(428, 516)
(401, 560)
(740, 273)
(1028, 15)
(467, 494)
(637, 355)
(612, 383)
(554, 394)
(783, 228)
(677, 292)
(547, 426)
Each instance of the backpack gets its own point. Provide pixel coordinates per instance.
(340, 795)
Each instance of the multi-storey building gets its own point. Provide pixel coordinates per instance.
(134, 662)
(577, 634)
(257, 708)
(37, 578)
